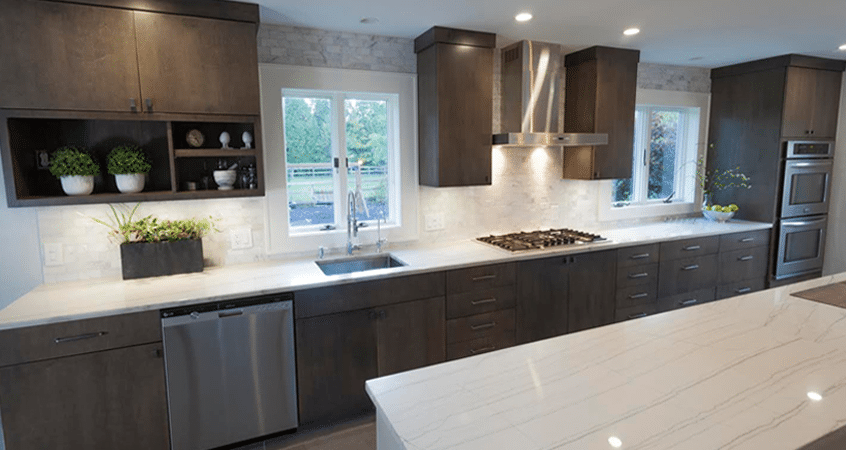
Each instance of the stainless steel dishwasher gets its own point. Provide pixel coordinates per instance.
(230, 371)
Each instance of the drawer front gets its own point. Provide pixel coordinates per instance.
(687, 275)
(480, 325)
(740, 288)
(686, 299)
(79, 336)
(480, 278)
(749, 239)
(635, 312)
(477, 302)
(637, 276)
(480, 345)
(637, 296)
(688, 248)
(633, 256)
(743, 264)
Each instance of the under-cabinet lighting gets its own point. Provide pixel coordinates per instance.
(631, 31)
(615, 442)
(814, 396)
(523, 17)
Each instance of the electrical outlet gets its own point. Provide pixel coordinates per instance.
(241, 238)
(434, 221)
(53, 255)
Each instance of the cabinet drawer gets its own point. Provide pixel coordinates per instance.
(79, 336)
(480, 325)
(480, 345)
(740, 288)
(637, 295)
(746, 239)
(636, 276)
(633, 256)
(688, 248)
(743, 264)
(686, 275)
(686, 299)
(635, 312)
(477, 302)
(479, 278)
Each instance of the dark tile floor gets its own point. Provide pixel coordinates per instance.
(357, 434)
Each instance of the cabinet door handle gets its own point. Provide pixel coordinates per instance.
(746, 258)
(640, 256)
(743, 290)
(482, 326)
(749, 239)
(483, 302)
(635, 276)
(149, 103)
(691, 267)
(640, 295)
(373, 315)
(482, 350)
(132, 105)
(688, 302)
(484, 277)
(382, 314)
(61, 340)
(691, 248)
(638, 315)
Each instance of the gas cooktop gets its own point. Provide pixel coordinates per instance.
(541, 239)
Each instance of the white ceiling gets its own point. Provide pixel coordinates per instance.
(719, 32)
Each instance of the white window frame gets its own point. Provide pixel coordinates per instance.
(339, 150)
(684, 202)
(281, 238)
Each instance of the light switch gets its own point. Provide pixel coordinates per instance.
(241, 238)
(53, 255)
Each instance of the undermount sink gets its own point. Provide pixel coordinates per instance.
(358, 264)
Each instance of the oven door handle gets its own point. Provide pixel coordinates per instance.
(809, 164)
(803, 222)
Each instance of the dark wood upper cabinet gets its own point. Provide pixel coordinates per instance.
(455, 106)
(212, 70)
(600, 98)
(64, 56)
(811, 102)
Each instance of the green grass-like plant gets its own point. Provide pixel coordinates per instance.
(151, 229)
(70, 160)
(126, 159)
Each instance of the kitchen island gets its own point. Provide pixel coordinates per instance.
(765, 370)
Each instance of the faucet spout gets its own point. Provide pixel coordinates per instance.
(352, 222)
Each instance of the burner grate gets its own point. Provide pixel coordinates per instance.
(540, 239)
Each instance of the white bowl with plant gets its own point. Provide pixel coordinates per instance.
(130, 166)
(76, 168)
(711, 181)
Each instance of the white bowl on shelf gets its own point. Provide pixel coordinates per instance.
(717, 216)
(225, 179)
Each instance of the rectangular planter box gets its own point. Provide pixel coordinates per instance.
(161, 258)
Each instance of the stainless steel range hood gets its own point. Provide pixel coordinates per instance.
(530, 99)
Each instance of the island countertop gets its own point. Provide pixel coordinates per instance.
(738, 373)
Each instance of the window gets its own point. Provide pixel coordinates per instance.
(326, 133)
(669, 133)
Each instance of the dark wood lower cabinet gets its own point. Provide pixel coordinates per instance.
(411, 335)
(103, 400)
(542, 289)
(593, 291)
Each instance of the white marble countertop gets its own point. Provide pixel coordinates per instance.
(734, 373)
(59, 302)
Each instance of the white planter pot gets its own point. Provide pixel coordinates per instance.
(77, 184)
(130, 183)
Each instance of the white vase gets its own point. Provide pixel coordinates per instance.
(130, 183)
(77, 184)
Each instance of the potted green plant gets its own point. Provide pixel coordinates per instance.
(150, 247)
(76, 169)
(130, 166)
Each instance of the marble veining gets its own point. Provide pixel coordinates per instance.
(730, 374)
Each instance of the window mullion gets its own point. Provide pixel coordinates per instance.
(640, 183)
(340, 149)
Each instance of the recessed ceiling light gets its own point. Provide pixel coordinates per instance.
(814, 396)
(631, 31)
(842, 47)
(369, 20)
(523, 17)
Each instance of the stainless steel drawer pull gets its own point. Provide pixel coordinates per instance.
(691, 267)
(688, 302)
(484, 277)
(483, 326)
(638, 275)
(640, 295)
(638, 315)
(640, 256)
(691, 248)
(483, 349)
(229, 314)
(483, 302)
(80, 337)
(745, 258)
(749, 239)
(743, 290)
